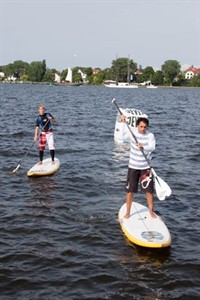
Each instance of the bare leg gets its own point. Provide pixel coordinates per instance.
(150, 204)
(129, 200)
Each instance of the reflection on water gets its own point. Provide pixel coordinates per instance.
(155, 257)
(42, 186)
(42, 190)
(121, 152)
(152, 257)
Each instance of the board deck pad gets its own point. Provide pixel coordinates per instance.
(46, 168)
(143, 230)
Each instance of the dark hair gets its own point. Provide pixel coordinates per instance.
(145, 120)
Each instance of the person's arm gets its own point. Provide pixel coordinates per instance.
(36, 133)
(51, 118)
(151, 144)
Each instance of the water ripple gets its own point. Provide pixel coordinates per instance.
(60, 236)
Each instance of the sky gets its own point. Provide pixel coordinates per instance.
(93, 33)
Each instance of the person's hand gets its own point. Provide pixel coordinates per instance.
(123, 118)
(52, 119)
(140, 146)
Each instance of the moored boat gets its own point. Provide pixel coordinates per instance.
(151, 86)
(121, 85)
(68, 80)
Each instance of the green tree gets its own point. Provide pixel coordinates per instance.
(170, 69)
(157, 78)
(8, 70)
(24, 77)
(180, 80)
(147, 73)
(140, 78)
(63, 74)
(44, 68)
(123, 69)
(195, 81)
(37, 71)
(108, 74)
(98, 78)
(76, 76)
(20, 68)
(49, 75)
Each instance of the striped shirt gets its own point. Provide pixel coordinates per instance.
(137, 160)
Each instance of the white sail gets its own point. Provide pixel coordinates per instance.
(57, 78)
(83, 75)
(69, 76)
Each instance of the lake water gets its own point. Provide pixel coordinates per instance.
(59, 235)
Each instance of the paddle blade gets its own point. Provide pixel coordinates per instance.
(15, 170)
(162, 188)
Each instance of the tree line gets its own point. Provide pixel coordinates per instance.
(122, 70)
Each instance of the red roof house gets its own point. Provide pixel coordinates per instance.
(191, 72)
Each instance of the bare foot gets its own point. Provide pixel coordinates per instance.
(40, 163)
(53, 163)
(153, 215)
(126, 216)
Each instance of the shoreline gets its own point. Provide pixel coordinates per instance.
(52, 84)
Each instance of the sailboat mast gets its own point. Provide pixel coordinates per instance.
(128, 72)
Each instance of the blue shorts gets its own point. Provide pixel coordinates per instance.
(136, 177)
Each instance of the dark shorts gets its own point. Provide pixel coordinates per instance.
(134, 177)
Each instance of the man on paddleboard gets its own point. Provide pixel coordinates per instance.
(43, 123)
(138, 168)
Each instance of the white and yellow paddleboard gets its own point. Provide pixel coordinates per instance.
(46, 168)
(143, 230)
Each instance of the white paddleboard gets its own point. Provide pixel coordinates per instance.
(143, 230)
(46, 168)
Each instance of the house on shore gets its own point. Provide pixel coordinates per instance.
(191, 72)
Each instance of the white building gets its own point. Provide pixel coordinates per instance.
(191, 72)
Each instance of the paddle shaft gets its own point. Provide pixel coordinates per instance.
(161, 187)
(19, 164)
